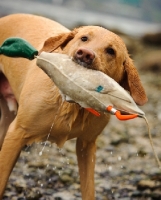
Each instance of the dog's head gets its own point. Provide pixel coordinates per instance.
(99, 49)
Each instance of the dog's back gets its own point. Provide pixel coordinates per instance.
(33, 28)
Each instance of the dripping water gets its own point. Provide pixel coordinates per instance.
(152, 144)
(40, 153)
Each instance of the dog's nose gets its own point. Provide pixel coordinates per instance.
(85, 55)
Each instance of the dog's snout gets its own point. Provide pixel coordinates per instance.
(85, 55)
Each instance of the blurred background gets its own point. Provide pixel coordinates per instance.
(125, 164)
(134, 17)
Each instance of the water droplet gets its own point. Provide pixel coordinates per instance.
(119, 158)
(67, 161)
(63, 161)
(59, 149)
(40, 153)
(41, 185)
(110, 168)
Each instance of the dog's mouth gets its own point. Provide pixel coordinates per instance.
(84, 64)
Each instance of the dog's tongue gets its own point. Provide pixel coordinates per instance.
(89, 88)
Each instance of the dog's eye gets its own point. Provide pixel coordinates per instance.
(110, 51)
(84, 38)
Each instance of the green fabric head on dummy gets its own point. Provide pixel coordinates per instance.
(18, 47)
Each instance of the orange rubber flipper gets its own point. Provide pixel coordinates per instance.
(119, 115)
(125, 117)
(93, 111)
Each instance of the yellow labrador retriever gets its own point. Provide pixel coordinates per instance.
(29, 100)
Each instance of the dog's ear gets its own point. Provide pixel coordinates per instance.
(132, 83)
(60, 40)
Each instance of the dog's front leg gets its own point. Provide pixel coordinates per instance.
(86, 161)
(9, 154)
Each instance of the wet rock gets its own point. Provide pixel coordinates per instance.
(33, 194)
(38, 164)
(151, 61)
(63, 195)
(133, 46)
(136, 194)
(146, 184)
(120, 140)
(152, 38)
(9, 195)
(19, 185)
(65, 178)
(157, 193)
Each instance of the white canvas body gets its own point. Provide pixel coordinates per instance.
(87, 87)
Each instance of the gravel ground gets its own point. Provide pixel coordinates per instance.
(125, 167)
